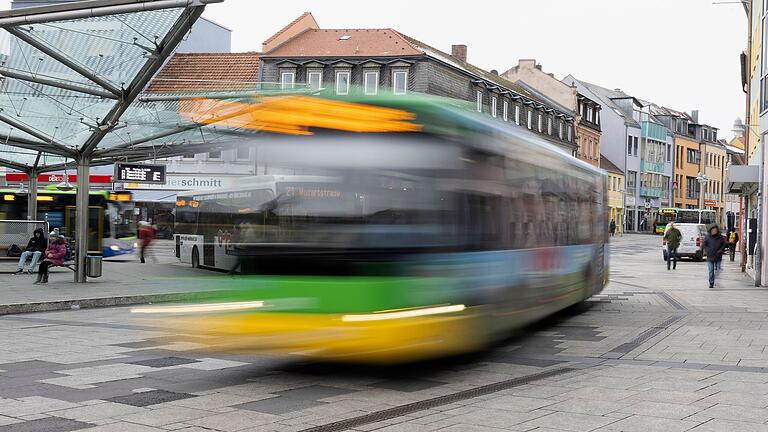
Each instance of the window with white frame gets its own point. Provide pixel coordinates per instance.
(399, 82)
(493, 106)
(540, 122)
(188, 156)
(560, 129)
(530, 119)
(570, 133)
(549, 125)
(517, 114)
(315, 79)
(342, 82)
(214, 155)
(505, 110)
(371, 82)
(479, 106)
(287, 79)
(243, 152)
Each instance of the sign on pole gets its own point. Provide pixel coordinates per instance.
(139, 173)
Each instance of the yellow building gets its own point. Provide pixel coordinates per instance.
(615, 193)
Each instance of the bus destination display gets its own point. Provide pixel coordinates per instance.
(139, 173)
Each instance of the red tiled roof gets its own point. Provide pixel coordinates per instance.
(609, 166)
(192, 72)
(360, 43)
(291, 24)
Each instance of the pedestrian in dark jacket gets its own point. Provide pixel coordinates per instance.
(35, 248)
(714, 246)
(612, 227)
(673, 237)
(54, 255)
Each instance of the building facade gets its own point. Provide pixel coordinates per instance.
(640, 146)
(375, 60)
(699, 161)
(585, 110)
(615, 193)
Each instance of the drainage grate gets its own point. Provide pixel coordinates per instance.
(671, 300)
(406, 409)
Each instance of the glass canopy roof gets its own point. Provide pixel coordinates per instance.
(71, 76)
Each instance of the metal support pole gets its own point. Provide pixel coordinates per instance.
(32, 196)
(81, 217)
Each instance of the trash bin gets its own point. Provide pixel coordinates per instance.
(93, 266)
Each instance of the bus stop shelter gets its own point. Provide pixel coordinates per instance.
(71, 83)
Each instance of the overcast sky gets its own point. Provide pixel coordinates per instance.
(683, 54)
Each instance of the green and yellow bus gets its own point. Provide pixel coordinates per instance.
(112, 218)
(663, 217)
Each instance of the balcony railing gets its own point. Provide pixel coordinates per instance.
(651, 192)
(651, 167)
(712, 196)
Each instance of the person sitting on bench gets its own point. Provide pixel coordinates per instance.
(54, 256)
(37, 244)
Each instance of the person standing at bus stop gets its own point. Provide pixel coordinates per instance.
(146, 236)
(714, 246)
(672, 237)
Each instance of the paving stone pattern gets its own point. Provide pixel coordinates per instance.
(657, 350)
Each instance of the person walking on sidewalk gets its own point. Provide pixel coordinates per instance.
(35, 248)
(672, 237)
(733, 239)
(146, 235)
(54, 255)
(612, 227)
(714, 246)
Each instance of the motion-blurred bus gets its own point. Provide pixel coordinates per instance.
(112, 220)
(400, 228)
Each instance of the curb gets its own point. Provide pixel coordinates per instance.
(104, 302)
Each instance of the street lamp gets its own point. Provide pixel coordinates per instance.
(702, 178)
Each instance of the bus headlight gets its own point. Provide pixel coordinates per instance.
(135, 244)
(115, 248)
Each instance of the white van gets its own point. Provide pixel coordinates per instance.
(691, 241)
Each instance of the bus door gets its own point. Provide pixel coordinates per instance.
(95, 227)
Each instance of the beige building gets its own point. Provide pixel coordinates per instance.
(615, 193)
(713, 161)
(586, 111)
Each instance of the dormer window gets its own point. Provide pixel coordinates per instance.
(287, 79)
(342, 82)
(371, 82)
(493, 106)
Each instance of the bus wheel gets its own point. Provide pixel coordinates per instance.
(195, 258)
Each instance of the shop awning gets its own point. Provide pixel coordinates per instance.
(741, 176)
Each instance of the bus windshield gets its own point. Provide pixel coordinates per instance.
(665, 216)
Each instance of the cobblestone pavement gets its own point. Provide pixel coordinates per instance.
(658, 350)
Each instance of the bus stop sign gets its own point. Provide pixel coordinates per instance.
(139, 173)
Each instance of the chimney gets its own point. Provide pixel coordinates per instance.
(494, 72)
(459, 52)
(695, 116)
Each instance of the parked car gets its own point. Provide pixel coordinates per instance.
(691, 242)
